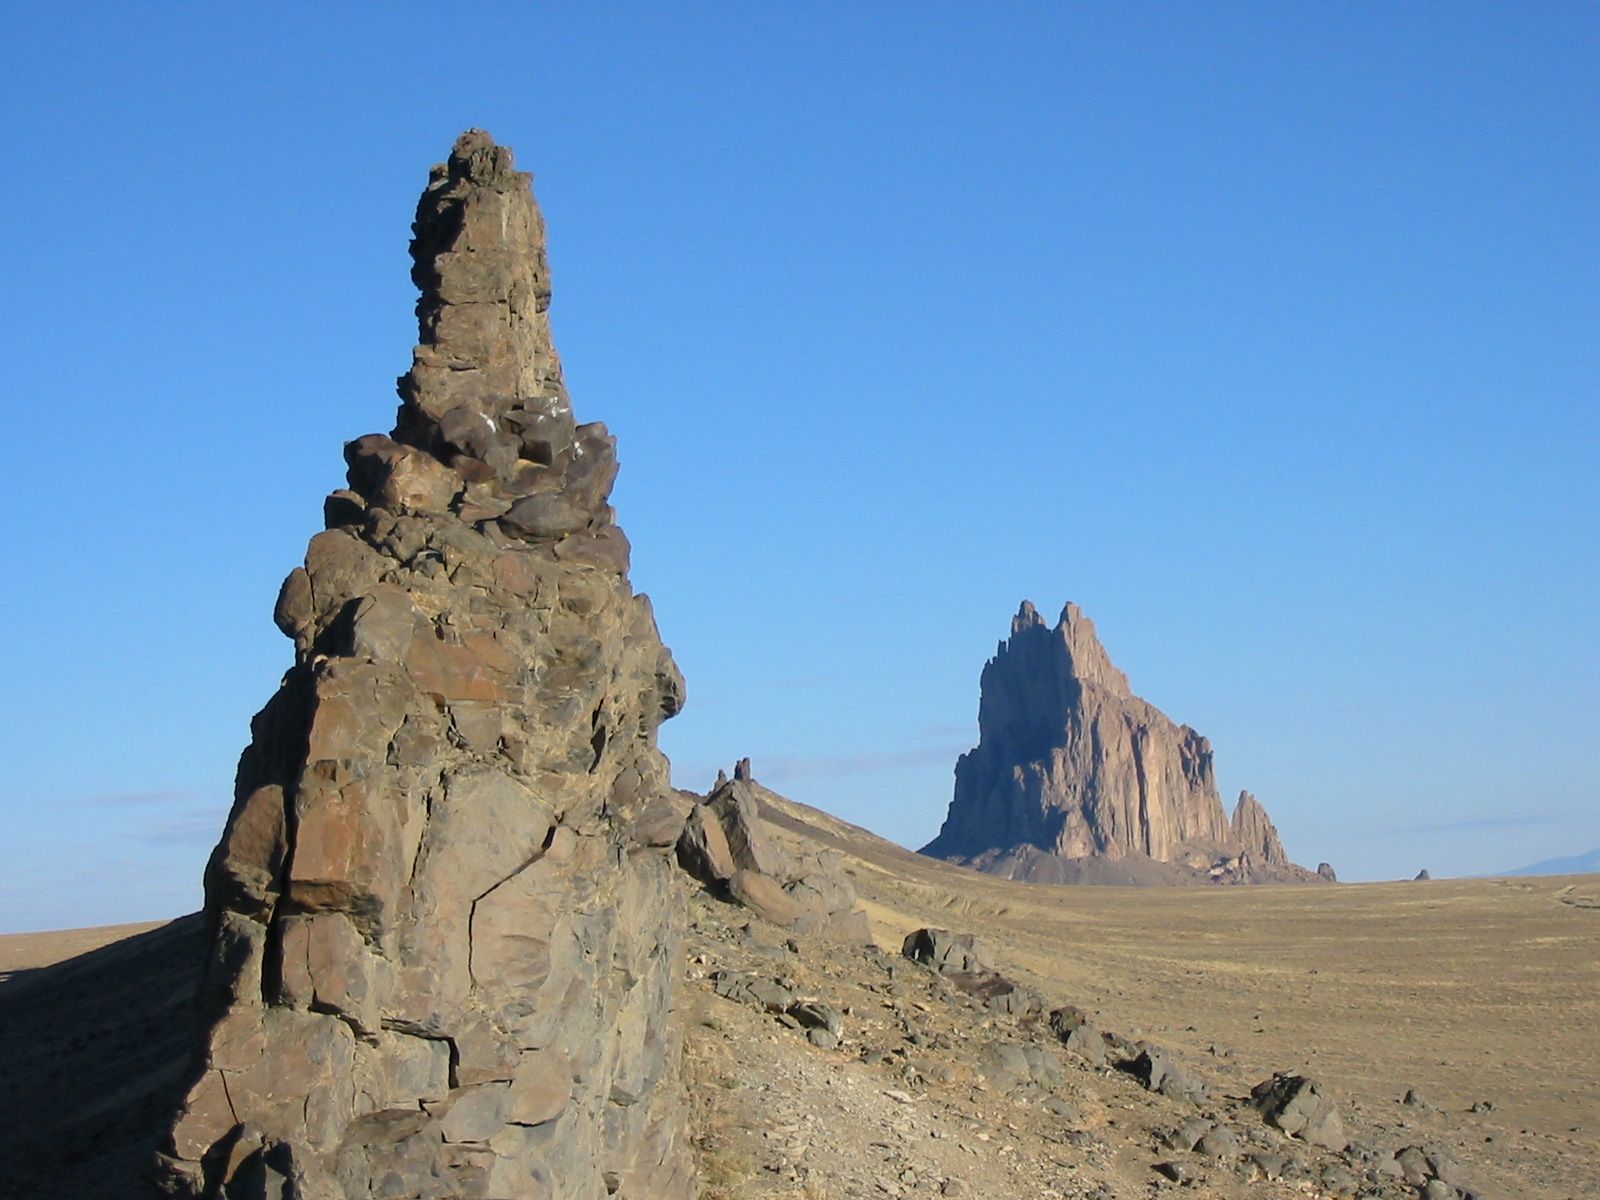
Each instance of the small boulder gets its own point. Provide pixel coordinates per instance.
(947, 952)
(1078, 1033)
(813, 1014)
(1159, 1071)
(1295, 1105)
(763, 895)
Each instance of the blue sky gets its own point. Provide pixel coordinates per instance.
(1264, 332)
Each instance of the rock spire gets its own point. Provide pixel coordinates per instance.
(444, 919)
(1256, 834)
(1071, 767)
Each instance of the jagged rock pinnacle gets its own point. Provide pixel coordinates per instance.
(1071, 765)
(479, 259)
(1256, 832)
(445, 928)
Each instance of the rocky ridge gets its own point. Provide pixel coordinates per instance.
(932, 1072)
(1076, 779)
(444, 923)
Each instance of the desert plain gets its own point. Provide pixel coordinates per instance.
(1481, 996)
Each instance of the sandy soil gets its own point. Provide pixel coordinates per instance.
(1467, 991)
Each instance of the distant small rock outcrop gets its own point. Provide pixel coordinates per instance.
(1076, 779)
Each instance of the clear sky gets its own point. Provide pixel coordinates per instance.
(1265, 332)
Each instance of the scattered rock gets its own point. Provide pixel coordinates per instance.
(1078, 1033)
(1178, 1172)
(1159, 1071)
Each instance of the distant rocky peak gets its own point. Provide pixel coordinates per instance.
(1070, 651)
(1086, 657)
(1072, 766)
(1256, 832)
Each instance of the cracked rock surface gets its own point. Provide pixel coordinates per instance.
(444, 925)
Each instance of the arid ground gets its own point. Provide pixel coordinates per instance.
(1478, 993)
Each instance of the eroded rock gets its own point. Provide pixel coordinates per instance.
(1075, 778)
(445, 921)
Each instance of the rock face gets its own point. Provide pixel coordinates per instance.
(1072, 771)
(444, 919)
(727, 846)
(1256, 834)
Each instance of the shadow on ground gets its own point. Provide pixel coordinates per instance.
(92, 1056)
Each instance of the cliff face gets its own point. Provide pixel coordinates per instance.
(1256, 834)
(444, 924)
(1072, 767)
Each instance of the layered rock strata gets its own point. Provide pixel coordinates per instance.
(444, 919)
(1075, 778)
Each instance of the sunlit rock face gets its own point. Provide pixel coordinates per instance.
(1073, 773)
(445, 923)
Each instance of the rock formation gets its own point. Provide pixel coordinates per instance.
(1256, 834)
(444, 920)
(1075, 778)
(726, 845)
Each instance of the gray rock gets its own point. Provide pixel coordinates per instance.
(451, 836)
(1175, 1170)
(813, 1014)
(1295, 1105)
(1157, 1069)
(947, 952)
(1079, 1034)
(1219, 1142)
(703, 848)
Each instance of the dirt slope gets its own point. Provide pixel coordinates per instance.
(1469, 992)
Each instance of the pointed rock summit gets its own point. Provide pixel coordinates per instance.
(1076, 779)
(1256, 834)
(444, 919)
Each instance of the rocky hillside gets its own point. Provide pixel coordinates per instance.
(1077, 780)
(922, 1061)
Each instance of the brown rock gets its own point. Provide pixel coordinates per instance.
(447, 840)
(703, 847)
(1072, 767)
(765, 897)
(1255, 832)
(735, 806)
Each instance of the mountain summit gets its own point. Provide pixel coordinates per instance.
(1076, 779)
